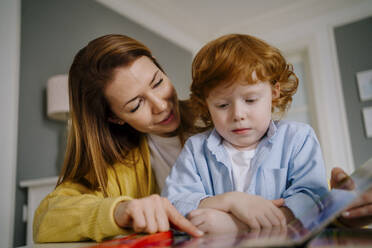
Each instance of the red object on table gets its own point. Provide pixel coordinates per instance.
(163, 239)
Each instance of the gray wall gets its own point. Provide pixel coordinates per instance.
(354, 49)
(52, 31)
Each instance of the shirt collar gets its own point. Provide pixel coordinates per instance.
(272, 130)
(214, 140)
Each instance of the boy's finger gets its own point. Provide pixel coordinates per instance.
(280, 215)
(274, 220)
(194, 213)
(182, 223)
(278, 202)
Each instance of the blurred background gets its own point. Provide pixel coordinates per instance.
(327, 41)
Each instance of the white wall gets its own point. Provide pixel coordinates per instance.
(315, 37)
(9, 81)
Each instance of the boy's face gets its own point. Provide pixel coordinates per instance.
(241, 113)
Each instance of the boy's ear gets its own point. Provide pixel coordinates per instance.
(276, 90)
(116, 120)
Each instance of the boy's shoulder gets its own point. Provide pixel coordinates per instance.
(293, 127)
(200, 137)
(196, 142)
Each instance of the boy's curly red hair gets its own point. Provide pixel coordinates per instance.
(234, 58)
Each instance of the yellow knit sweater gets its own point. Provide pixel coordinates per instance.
(72, 212)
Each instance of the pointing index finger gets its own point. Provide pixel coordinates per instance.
(182, 223)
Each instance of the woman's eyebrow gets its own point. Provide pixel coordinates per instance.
(134, 98)
(153, 78)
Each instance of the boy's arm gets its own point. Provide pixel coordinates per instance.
(252, 210)
(306, 176)
(183, 186)
(212, 221)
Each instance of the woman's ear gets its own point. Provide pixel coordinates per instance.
(116, 120)
(275, 89)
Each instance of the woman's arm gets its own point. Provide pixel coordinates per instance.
(72, 212)
(360, 212)
(152, 214)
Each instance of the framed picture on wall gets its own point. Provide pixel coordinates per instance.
(364, 80)
(367, 116)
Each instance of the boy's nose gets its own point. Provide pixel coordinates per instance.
(238, 118)
(238, 114)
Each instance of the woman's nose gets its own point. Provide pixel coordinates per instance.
(158, 104)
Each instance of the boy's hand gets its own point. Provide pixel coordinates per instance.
(254, 211)
(214, 221)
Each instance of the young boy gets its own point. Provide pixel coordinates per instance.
(237, 172)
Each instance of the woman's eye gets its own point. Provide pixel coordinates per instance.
(137, 107)
(158, 83)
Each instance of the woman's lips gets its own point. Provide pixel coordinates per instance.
(241, 130)
(167, 120)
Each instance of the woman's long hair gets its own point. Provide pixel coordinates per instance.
(94, 143)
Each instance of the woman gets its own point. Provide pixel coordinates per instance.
(121, 100)
(126, 123)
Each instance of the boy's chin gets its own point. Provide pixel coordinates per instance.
(243, 146)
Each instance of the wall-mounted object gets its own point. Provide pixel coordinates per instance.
(367, 116)
(364, 80)
(57, 98)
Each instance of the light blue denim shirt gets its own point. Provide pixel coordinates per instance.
(287, 164)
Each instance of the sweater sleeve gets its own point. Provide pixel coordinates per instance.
(74, 213)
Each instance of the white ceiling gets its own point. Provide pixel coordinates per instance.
(191, 23)
(201, 18)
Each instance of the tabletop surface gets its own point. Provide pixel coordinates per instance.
(327, 238)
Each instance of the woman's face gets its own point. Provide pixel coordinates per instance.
(142, 96)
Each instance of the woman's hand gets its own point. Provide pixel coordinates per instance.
(152, 214)
(252, 210)
(212, 221)
(360, 212)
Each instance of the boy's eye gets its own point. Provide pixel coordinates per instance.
(250, 100)
(158, 83)
(224, 105)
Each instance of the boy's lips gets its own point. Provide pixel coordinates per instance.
(241, 130)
